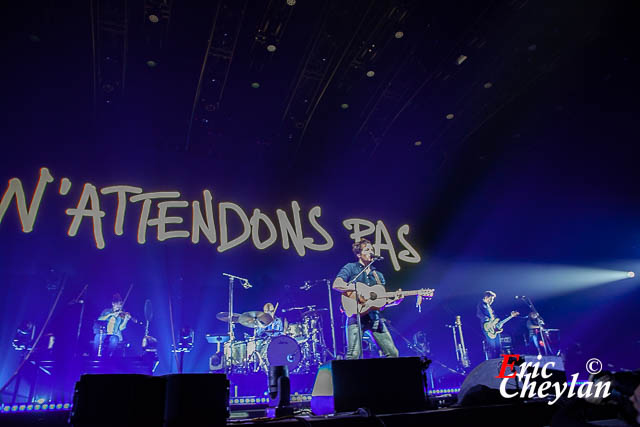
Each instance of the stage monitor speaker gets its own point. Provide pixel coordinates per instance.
(196, 399)
(380, 385)
(133, 399)
(481, 387)
(118, 399)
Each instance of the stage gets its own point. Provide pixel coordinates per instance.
(244, 192)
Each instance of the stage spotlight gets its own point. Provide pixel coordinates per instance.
(631, 275)
(255, 85)
(449, 116)
(344, 106)
(151, 63)
(279, 392)
(271, 48)
(371, 73)
(291, 2)
(399, 34)
(461, 59)
(154, 18)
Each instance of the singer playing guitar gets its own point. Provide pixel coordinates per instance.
(363, 250)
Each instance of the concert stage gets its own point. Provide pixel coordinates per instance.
(254, 190)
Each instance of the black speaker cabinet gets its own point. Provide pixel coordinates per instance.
(196, 399)
(144, 400)
(380, 385)
(118, 399)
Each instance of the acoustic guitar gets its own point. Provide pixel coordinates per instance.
(374, 298)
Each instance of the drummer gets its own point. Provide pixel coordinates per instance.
(276, 327)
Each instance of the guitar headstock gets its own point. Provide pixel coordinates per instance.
(426, 293)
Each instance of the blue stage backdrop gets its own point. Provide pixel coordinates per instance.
(514, 172)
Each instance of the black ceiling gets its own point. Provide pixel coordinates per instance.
(82, 68)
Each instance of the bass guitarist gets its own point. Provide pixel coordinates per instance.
(363, 250)
(490, 326)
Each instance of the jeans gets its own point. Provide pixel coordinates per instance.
(492, 346)
(383, 339)
(108, 345)
(534, 340)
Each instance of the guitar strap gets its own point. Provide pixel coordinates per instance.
(377, 326)
(375, 274)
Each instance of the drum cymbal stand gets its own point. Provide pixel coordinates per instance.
(245, 284)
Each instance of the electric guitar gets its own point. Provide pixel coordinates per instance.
(374, 298)
(494, 327)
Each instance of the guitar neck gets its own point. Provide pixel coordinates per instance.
(503, 321)
(404, 294)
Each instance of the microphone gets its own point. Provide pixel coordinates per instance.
(246, 284)
(376, 258)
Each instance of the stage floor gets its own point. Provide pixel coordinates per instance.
(533, 413)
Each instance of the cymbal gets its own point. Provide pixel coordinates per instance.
(255, 319)
(313, 311)
(224, 316)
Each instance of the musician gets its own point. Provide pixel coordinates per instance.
(534, 326)
(485, 314)
(25, 335)
(276, 327)
(363, 250)
(116, 321)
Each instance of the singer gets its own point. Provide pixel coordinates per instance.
(363, 250)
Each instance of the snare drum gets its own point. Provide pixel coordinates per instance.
(284, 351)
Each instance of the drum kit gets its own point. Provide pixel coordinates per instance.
(297, 341)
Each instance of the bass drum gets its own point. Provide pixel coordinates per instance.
(284, 351)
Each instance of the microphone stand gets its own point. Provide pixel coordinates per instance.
(353, 281)
(78, 300)
(333, 329)
(545, 345)
(246, 285)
